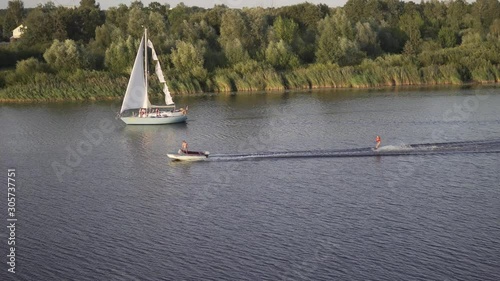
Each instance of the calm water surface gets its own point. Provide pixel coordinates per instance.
(98, 200)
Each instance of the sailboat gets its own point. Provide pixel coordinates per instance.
(136, 108)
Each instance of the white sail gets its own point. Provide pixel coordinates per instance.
(136, 95)
(159, 74)
(168, 97)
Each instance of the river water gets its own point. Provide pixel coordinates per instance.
(292, 191)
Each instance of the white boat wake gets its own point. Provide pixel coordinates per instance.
(482, 146)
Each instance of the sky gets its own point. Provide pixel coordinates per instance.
(200, 3)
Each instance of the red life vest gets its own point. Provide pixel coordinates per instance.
(377, 139)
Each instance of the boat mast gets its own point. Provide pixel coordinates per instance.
(146, 58)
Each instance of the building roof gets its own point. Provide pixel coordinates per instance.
(18, 32)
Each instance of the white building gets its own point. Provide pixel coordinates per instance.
(17, 33)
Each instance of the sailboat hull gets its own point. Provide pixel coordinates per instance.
(154, 120)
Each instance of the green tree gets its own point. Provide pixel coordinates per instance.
(411, 23)
(214, 16)
(177, 16)
(259, 21)
(67, 55)
(91, 17)
(472, 40)
(366, 37)
(157, 29)
(355, 10)
(455, 14)
(281, 56)
(234, 36)
(336, 36)
(447, 37)
(44, 24)
(342, 26)
(188, 60)
(118, 16)
(136, 4)
(234, 26)
(105, 35)
(375, 11)
(327, 40)
(13, 17)
(137, 20)
(434, 15)
(80, 23)
(285, 29)
(367, 10)
(392, 39)
(484, 13)
(29, 67)
(305, 14)
(347, 52)
(235, 52)
(203, 36)
(89, 4)
(495, 28)
(195, 31)
(159, 8)
(121, 54)
(305, 46)
(393, 9)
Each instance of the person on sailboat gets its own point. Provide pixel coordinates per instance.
(377, 142)
(184, 111)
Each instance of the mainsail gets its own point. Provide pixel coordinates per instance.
(136, 95)
(159, 74)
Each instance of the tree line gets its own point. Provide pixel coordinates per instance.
(365, 43)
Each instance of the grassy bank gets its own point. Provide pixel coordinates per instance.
(78, 86)
(369, 74)
(93, 85)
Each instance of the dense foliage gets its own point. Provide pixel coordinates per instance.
(85, 52)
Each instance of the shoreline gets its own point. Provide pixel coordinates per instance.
(310, 89)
